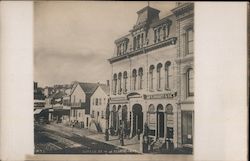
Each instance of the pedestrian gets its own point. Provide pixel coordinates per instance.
(138, 133)
(121, 137)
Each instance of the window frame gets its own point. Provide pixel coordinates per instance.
(189, 81)
(167, 75)
(159, 68)
(140, 74)
(187, 41)
(151, 77)
(134, 75)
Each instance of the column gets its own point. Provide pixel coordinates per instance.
(117, 120)
(110, 119)
(158, 123)
(165, 125)
(136, 122)
(132, 126)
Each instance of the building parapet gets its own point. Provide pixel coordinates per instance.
(167, 42)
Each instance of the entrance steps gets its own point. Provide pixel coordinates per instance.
(157, 145)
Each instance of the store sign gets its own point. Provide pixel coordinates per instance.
(160, 96)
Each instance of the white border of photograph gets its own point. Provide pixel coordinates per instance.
(220, 85)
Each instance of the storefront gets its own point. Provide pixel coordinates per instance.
(157, 111)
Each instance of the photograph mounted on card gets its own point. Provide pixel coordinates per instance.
(113, 78)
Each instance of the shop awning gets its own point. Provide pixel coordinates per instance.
(37, 111)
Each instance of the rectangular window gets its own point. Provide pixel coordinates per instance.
(102, 114)
(187, 127)
(190, 40)
(96, 101)
(190, 82)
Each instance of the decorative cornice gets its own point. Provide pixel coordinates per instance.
(124, 38)
(168, 42)
(182, 9)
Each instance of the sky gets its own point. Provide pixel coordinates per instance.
(73, 40)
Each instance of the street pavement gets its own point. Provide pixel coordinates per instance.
(60, 139)
(52, 139)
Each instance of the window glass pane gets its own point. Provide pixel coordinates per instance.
(190, 82)
(187, 133)
(190, 47)
(190, 35)
(191, 86)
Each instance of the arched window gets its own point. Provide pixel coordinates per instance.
(121, 45)
(164, 32)
(134, 74)
(114, 83)
(140, 73)
(119, 83)
(160, 108)
(151, 114)
(138, 41)
(155, 35)
(159, 66)
(151, 77)
(159, 34)
(167, 75)
(125, 77)
(134, 43)
(151, 108)
(190, 82)
(169, 109)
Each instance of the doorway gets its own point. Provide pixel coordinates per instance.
(160, 124)
(160, 121)
(137, 119)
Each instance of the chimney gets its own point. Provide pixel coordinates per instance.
(107, 82)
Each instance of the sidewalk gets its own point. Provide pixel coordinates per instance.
(129, 144)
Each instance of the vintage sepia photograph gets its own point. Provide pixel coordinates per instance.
(113, 77)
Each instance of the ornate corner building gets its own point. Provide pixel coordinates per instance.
(152, 77)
